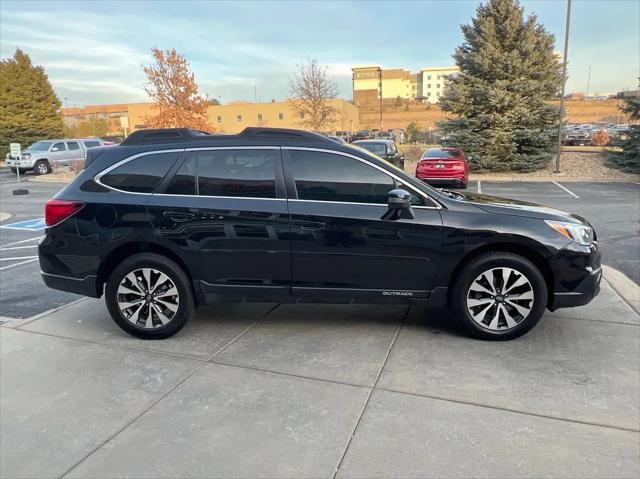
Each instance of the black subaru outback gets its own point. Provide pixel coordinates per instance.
(176, 218)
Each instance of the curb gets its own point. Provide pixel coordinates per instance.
(4, 216)
(16, 323)
(623, 286)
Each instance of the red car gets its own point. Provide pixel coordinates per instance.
(443, 165)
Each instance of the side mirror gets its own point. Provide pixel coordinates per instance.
(399, 205)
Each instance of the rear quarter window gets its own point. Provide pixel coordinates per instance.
(140, 175)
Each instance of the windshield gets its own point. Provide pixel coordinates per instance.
(440, 153)
(40, 146)
(377, 148)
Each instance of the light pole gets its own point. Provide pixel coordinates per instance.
(564, 81)
(66, 106)
(380, 88)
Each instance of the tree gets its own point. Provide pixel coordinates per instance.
(28, 105)
(508, 69)
(87, 128)
(173, 88)
(310, 95)
(626, 155)
(412, 132)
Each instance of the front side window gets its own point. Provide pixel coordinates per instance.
(327, 177)
(142, 174)
(73, 145)
(59, 147)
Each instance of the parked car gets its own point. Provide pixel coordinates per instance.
(338, 139)
(42, 155)
(443, 166)
(345, 135)
(172, 219)
(579, 137)
(386, 149)
(362, 135)
(619, 131)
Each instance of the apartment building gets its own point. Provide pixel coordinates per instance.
(433, 82)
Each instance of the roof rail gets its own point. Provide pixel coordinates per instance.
(178, 135)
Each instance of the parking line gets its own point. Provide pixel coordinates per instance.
(565, 189)
(18, 264)
(19, 247)
(21, 241)
(479, 187)
(17, 257)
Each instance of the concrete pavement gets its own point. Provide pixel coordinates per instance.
(260, 390)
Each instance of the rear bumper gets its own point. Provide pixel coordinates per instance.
(86, 286)
(443, 179)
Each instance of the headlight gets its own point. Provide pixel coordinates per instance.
(581, 234)
(26, 156)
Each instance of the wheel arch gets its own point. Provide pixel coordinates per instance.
(115, 257)
(525, 251)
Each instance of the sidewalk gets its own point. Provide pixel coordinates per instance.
(260, 390)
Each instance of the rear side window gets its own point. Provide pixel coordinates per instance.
(140, 175)
(91, 144)
(233, 173)
(327, 177)
(73, 145)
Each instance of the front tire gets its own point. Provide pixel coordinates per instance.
(149, 296)
(41, 167)
(499, 296)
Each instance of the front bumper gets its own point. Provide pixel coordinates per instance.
(588, 289)
(577, 274)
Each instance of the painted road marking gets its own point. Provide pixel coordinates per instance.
(18, 247)
(17, 257)
(18, 264)
(479, 187)
(565, 189)
(21, 241)
(28, 225)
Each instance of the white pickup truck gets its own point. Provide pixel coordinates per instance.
(40, 156)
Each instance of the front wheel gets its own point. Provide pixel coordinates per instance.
(41, 168)
(499, 296)
(149, 296)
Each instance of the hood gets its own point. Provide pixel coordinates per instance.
(506, 206)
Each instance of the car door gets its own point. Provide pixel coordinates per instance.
(225, 210)
(74, 151)
(341, 245)
(57, 153)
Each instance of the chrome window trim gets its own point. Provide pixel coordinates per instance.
(384, 205)
(366, 162)
(217, 197)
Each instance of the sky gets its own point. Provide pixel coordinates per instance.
(244, 50)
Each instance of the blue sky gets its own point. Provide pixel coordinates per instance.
(92, 51)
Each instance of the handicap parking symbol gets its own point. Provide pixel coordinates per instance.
(28, 225)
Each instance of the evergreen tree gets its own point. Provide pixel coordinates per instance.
(508, 70)
(626, 156)
(28, 105)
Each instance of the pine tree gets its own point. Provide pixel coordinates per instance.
(508, 70)
(626, 155)
(28, 105)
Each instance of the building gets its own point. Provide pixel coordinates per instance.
(370, 81)
(229, 118)
(433, 82)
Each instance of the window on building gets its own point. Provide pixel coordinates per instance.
(239, 117)
(72, 145)
(428, 85)
(280, 116)
(429, 93)
(438, 78)
(438, 85)
(437, 93)
(219, 119)
(141, 175)
(259, 116)
(428, 77)
(328, 177)
(302, 115)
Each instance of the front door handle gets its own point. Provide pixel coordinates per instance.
(309, 225)
(179, 216)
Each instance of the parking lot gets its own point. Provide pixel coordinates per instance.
(267, 390)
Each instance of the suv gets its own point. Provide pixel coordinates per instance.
(172, 219)
(385, 149)
(40, 156)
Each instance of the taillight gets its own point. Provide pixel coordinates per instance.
(56, 211)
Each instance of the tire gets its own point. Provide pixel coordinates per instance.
(498, 317)
(463, 185)
(41, 167)
(14, 170)
(169, 314)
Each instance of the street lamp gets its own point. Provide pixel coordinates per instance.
(380, 89)
(564, 81)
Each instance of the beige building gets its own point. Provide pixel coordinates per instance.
(229, 118)
(433, 82)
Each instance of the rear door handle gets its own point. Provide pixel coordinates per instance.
(310, 225)
(179, 216)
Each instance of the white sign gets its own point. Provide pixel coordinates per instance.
(124, 121)
(15, 150)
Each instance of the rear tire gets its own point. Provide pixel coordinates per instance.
(149, 296)
(41, 167)
(14, 170)
(499, 296)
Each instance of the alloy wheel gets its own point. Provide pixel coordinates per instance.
(500, 298)
(43, 169)
(148, 298)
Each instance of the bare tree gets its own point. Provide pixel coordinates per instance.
(311, 92)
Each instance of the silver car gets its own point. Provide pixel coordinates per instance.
(44, 154)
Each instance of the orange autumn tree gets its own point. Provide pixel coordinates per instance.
(173, 88)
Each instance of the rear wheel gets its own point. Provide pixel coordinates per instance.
(149, 296)
(14, 170)
(41, 167)
(499, 296)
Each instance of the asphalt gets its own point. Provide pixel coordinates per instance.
(321, 391)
